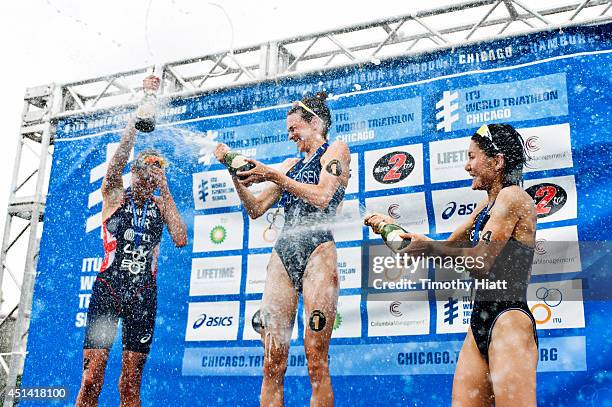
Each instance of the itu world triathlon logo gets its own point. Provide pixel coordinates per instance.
(203, 190)
(451, 310)
(447, 106)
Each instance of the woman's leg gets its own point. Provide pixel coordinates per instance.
(471, 384)
(278, 309)
(320, 302)
(94, 364)
(513, 359)
(132, 364)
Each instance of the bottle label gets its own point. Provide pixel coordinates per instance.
(238, 161)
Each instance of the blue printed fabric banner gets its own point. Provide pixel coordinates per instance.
(407, 122)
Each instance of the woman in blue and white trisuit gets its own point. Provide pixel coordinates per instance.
(304, 258)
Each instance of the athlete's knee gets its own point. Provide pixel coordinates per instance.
(91, 385)
(318, 369)
(275, 365)
(129, 387)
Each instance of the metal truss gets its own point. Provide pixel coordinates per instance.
(24, 220)
(407, 35)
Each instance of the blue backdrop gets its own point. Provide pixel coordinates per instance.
(407, 122)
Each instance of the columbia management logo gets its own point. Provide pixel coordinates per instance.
(532, 144)
(94, 221)
(394, 309)
(448, 105)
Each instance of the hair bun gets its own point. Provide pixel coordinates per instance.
(321, 95)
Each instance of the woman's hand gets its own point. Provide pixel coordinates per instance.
(151, 82)
(420, 245)
(376, 221)
(257, 174)
(220, 152)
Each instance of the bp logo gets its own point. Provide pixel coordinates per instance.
(393, 167)
(218, 234)
(548, 198)
(337, 321)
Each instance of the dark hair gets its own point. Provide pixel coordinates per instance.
(503, 139)
(318, 105)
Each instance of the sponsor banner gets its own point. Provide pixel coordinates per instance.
(215, 275)
(264, 230)
(217, 232)
(453, 310)
(349, 267)
(554, 198)
(266, 139)
(389, 271)
(214, 189)
(447, 159)
(556, 304)
(251, 307)
(506, 102)
(529, 75)
(408, 211)
(348, 223)
(347, 323)
(353, 183)
(394, 167)
(212, 321)
(556, 251)
(398, 314)
(377, 122)
(548, 147)
(452, 207)
(257, 267)
(564, 354)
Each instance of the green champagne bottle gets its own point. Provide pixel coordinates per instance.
(236, 162)
(390, 233)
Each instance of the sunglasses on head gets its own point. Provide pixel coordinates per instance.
(155, 160)
(484, 132)
(301, 104)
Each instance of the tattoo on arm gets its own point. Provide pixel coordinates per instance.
(334, 168)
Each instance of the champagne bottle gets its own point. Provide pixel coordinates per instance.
(236, 162)
(390, 233)
(145, 114)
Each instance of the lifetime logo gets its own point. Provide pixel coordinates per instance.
(95, 221)
(447, 115)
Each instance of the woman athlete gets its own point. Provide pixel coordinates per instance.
(304, 257)
(497, 363)
(126, 287)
